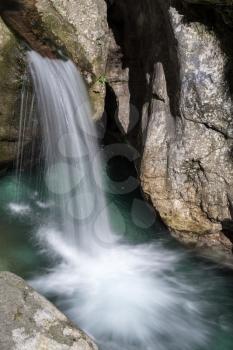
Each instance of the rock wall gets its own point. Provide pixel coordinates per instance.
(66, 28)
(180, 83)
(29, 321)
(11, 72)
(168, 70)
(74, 29)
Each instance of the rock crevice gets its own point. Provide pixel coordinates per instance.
(182, 61)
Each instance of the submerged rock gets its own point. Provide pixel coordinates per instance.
(30, 322)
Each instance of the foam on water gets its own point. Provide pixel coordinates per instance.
(44, 205)
(19, 208)
(124, 296)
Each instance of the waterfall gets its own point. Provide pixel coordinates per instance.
(27, 128)
(122, 295)
(71, 153)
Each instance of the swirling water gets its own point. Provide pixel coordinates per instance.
(120, 278)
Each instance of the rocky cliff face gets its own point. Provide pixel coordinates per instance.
(77, 30)
(168, 69)
(191, 179)
(11, 72)
(179, 66)
(74, 29)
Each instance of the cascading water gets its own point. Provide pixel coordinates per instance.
(125, 296)
(27, 126)
(70, 147)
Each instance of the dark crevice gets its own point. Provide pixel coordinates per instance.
(114, 133)
(211, 127)
(10, 5)
(143, 31)
(158, 98)
(227, 229)
(227, 224)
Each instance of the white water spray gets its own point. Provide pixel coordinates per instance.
(124, 296)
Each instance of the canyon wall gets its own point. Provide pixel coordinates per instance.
(11, 73)
(167, 67)
(177, 59)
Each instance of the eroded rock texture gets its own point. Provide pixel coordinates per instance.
(29, 321)
(195, 176)
(180, 73)
(11, 72)
(168, 70)
(75, 29)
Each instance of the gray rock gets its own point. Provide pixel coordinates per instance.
(30, 322)
(170, 71)
(118, 80)
(178, 66)
(187, 169)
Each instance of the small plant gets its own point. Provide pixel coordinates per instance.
(102, 79)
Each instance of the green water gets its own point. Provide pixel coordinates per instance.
(19, 250)
(24, 208)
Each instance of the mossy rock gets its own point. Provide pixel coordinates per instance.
(12, 68)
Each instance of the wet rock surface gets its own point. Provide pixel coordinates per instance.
(30, 322)
(11, 72)
(74, 29)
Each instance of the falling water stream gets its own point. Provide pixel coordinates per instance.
(128, 294)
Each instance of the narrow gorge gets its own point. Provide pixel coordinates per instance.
(116, 196)
(168, 81)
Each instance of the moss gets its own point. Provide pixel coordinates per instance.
(66, 39)
(102, 80)
(8, 151)
(12, 68)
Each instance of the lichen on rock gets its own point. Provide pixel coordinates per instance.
(29, 321)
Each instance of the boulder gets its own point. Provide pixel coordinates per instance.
(30, 322)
